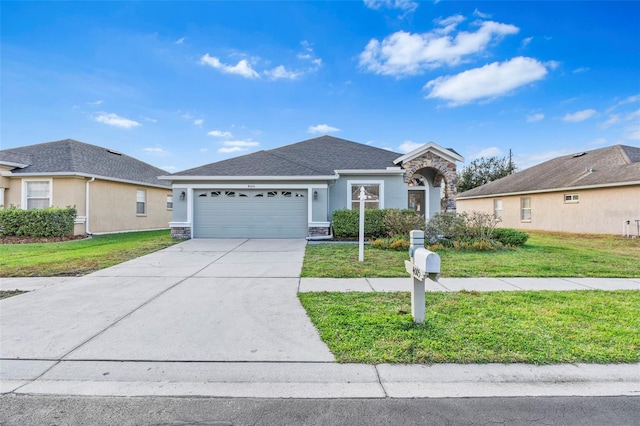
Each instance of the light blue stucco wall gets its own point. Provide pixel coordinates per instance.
(180, 206)
(319, 206)
(395, 191)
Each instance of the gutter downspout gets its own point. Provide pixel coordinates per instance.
(86, 206)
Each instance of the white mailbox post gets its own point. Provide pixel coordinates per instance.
(424, 264)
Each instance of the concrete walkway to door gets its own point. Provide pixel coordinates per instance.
(201, 300)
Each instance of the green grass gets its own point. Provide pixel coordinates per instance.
(505, 327)
(78, 257)
(544, 255)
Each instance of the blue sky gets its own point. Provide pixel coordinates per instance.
(181, 84)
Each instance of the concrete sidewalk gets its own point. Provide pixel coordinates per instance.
(307, 285)
(221, 318)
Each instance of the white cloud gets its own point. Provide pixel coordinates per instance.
(230, 150)
(535, 117)
(237, 146)
(408, 6)
(220, 134)
(408, 146)
(149, 119)
(481, 15)
(525, 161)
(402, 53)
(489, 81)
(98, 102)
(581, 69)
(487, 152)
(115, 120)
(579, 116)
(156, 151)
(322, 128)
(280, 72)
(526, 41)
(632, 132)
(198, 122)
(180, 40)
(627, 100)
(242, 68)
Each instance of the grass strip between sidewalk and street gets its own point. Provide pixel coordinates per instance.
(545, 254)
(79, 257)
(541, 327)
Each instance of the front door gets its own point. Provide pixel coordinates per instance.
(416, 202)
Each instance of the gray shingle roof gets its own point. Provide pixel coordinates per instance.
(314, 157)
(605, 166)
(70, 156)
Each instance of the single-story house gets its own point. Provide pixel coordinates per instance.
(111, 191)
(594, 191)
(291, 191)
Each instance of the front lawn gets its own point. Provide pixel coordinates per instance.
(467, 327)
(545, 254)
(79, 257)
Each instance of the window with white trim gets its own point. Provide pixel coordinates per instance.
(372, 193)
(570, 198)
(141, 202)
(525, 209)
(37, 194)
(497, 209)
(169, 202)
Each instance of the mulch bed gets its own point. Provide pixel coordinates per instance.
(13, 239)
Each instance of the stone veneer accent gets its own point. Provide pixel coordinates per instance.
(181, 232)
(446, 169)
(318, 231)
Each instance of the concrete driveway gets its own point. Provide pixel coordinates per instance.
(201, 300)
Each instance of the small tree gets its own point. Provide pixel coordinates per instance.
(483, 170)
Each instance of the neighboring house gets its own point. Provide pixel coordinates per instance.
(112, 192)
(589, 192)
(291, 191)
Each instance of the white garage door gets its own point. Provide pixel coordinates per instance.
(250, 213)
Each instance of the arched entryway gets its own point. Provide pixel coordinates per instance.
(431, 171)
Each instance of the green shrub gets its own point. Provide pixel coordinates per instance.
(480, 225)
(402, 222)
(346, 223)
(510, 237)
(446, 226)
(44, 223)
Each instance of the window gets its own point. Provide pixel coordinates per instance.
(169, 202)
(371, 192)
(525, 208)
(141, 202)
(571, 198)
(497, 209)
(38, 194)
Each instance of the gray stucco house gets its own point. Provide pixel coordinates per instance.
(292, 191)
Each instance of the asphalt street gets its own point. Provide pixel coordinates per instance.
(25, 410)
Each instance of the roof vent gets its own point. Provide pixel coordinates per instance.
(111, 151)
(580, 154)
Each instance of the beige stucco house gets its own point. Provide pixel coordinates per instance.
(594, 192)
(112, 192)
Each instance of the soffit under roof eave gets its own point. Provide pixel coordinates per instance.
(543, 191)
(394, 171)
(431, 146)
(248, 178)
